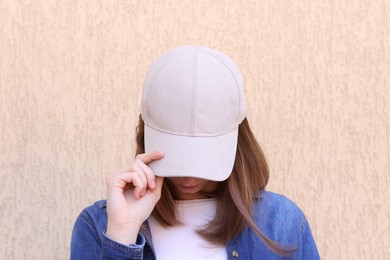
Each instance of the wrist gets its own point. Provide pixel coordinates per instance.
(126, 234)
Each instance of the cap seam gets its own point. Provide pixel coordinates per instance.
(158, 73)
(194, 92)
(189, 135)
(237, 84)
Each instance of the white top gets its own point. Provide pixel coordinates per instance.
(182, 241)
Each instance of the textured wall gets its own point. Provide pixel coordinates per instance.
(317, 81)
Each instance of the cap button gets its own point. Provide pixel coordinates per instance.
(235, 253)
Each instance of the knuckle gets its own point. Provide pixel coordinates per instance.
(134, 165)
(133, 168)
(142, 177)
(136, 162)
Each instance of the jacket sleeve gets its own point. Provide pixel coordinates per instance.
(87, 244)
(308, 245)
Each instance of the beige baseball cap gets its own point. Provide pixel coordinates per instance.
(192, 104)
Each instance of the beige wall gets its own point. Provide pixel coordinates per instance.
(318, 87)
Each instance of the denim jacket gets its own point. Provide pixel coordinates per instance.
(276, 216)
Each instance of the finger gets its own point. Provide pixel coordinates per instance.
(150, 157)
(145, 158)
(137, 167)
(139, 186)
(120, 180)
(159, 184)
(149, 175)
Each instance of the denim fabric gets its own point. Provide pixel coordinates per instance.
(276, 216)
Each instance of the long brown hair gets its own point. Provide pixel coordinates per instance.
(235, 195)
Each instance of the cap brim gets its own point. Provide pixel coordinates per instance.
(210, 158)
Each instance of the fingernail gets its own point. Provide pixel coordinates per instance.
(152, 184)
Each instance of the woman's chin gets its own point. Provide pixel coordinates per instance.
(188, 189)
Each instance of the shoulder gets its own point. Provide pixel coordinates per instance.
(95, 216)
(96, 209)
(278, 203)
(99, 205)
(281, 220)
(278, 215)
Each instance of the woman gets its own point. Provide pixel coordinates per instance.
(196, 187)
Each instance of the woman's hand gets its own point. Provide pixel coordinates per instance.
(132, 193)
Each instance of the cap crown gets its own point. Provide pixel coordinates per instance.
(193, 91)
